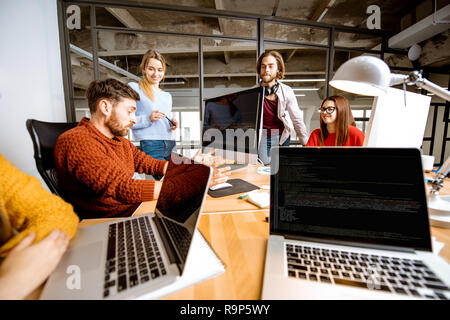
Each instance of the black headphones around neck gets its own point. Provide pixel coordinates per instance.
(268, 91)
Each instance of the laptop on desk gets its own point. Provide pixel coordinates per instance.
(132, 257)
(350, 223)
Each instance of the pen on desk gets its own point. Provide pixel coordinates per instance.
(243, 196)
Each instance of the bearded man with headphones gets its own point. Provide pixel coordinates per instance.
(281, 114)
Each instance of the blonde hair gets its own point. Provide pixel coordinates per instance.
(144, 84)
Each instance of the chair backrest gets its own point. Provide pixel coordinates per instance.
(44, 135)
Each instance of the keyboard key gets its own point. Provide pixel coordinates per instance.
(440, 295)
(133, 280)
(392, 281)
(291, 273)
(436, 286)
(297, 267)
(291, 260)
(414, 292)
(110, 284)
(325, 279)
(122, 283)
(346, 274)
(360, 284)
(154, 274)
(302, 275)
(400, 290)
(432, 279)
(313, 277)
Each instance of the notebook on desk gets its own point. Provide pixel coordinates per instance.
(144, 256)
(350, 223)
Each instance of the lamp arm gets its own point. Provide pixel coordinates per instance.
(438, 181)
(415, 78)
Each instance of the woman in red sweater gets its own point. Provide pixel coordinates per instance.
(337, 125)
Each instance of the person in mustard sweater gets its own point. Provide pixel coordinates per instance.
(35, 228)
(95, 164)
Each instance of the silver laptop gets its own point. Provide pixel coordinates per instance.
(350, 223)
(129, 257)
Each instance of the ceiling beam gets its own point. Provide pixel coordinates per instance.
(240, 74)
(321, 10)
(180, 50)
(226, 55)
(222, 22)
(422, 30)
(275, 8)
(125, 17)
(290, 54)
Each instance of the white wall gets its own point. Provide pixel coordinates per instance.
(30, 75)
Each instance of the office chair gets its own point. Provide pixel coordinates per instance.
(44, 135)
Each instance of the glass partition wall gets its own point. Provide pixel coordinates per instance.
(212, 52)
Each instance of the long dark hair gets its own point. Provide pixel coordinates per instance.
(344, 119)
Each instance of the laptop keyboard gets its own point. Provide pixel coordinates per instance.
(388, 274)
(133, 256)
(181, 236)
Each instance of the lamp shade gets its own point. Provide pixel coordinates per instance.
(364, 75)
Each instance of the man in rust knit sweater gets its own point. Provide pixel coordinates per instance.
(95, 164)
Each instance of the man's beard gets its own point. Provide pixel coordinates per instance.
(269, 80)
(116, 128)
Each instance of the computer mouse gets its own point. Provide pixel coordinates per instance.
(220, 186)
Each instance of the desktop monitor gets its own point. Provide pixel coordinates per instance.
(231, 125)
(394, 124)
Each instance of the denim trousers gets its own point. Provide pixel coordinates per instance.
(158, 149)
(266, 144)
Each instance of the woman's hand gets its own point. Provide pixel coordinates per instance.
(156, 115)
(27, 266)
(175, 122)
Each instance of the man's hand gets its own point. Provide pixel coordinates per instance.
(220, 175)
(27, 266)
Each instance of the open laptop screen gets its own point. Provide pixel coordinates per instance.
(180, 200)
(374, 196)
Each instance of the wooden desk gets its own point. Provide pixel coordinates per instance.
(240, 240)
(229, 203)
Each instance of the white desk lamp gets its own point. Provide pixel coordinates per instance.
(371, 76)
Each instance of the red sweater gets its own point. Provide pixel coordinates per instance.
(355, 138)
(96, 172)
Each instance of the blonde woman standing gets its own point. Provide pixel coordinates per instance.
(154, 123)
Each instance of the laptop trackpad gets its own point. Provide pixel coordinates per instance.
(87, 256)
